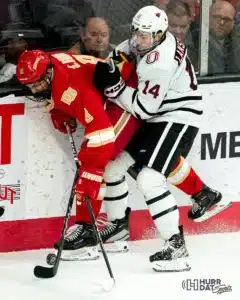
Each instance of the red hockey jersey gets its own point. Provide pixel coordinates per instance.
(74, 94)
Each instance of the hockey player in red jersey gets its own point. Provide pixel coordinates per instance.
(73, 96)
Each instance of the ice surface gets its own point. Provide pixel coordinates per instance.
(212, 256)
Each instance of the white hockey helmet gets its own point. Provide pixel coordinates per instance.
(150, 21)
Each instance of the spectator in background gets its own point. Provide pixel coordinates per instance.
(94, 39)
(193, 5)
(13, 46)
(182, 27)
(179, 18)
(237, 7)
(233, 2)
(224, 39)
(162, 4)
(222, 15)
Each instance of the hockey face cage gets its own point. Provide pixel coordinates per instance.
(42, 87)
(156, 39)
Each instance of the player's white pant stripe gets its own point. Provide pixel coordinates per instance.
(159, 144)
(174, 148)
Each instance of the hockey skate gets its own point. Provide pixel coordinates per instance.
(173, 257)
(80, 243)
(116, 234)
(206, 204)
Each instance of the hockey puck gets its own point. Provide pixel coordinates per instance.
(2, 210)
(107, 285)
(51, 258)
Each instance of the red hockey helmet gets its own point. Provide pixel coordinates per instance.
(32, 66)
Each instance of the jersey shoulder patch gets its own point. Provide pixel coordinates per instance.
(69, 95)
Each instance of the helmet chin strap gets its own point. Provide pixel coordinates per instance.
(40, 97)
(45, 93)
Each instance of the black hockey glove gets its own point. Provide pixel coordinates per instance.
(119, 57)
(107, 79)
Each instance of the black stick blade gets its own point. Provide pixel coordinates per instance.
(2, 210)
(44, 272)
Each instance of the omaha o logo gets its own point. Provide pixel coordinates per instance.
(152, 57)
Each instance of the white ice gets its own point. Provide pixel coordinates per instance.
(212, 256)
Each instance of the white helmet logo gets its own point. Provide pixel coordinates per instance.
(138, 16)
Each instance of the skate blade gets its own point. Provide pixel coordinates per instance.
(115, 247)
(83, 254)
(175, 265)
(214, 211)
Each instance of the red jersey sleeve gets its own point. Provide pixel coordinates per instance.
(98, 147)
(74, 94)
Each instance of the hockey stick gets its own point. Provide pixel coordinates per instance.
(108, 285)
(2, 210)
(46, 272)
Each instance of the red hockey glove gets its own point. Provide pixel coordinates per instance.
(59, 119)
(89, 183)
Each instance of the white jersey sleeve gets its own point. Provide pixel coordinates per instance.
(7, 72)
(155, 73)
(167, 86)
(123, 47)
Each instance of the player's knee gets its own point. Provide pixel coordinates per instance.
(149, 179)
(117, 168)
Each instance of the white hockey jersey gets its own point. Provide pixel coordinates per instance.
(167, 86)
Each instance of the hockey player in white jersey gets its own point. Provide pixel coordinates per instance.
(168, 100)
